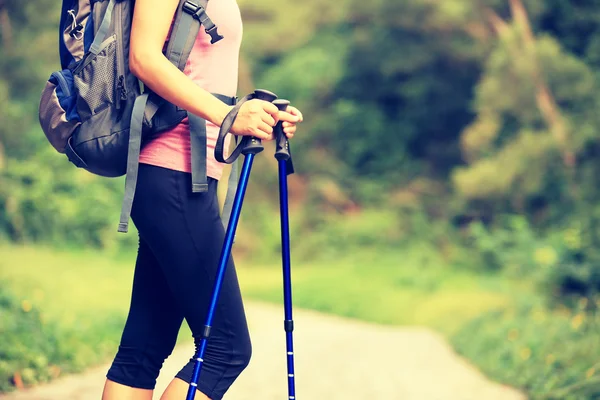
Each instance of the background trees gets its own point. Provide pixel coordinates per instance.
(464, 111)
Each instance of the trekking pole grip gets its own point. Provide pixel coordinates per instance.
(254, 145)
(282, 145)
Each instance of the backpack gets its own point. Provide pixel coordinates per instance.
(99, 114)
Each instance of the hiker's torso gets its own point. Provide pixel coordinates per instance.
(214, 67)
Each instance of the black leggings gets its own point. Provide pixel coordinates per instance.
(181, 235)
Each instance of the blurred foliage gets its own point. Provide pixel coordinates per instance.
(38, 346)
(69, 207)
(550, 355)
(61, 311)
(27, 343)
(493, 103)
(67, 308)
(463, 131)
(562, 264)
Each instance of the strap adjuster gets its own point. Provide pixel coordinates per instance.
(199, 13)
(190, 7)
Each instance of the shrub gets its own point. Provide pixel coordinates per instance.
(550, 354)
(576, 272)
(564, 262)
(28, 345)
(509, 245)
(48, 200)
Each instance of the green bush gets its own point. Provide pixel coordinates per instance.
(60, 312)
(563, 263)
(576, 272)
(318, 235)
(509, 245)
(551, 355)
(48, 200)
(28, 349)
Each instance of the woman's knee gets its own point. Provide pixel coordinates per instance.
(222, 366)
(137, 367)
(242, 350)
(242, 354)
(231, 354)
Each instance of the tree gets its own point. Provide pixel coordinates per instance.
(529, 100)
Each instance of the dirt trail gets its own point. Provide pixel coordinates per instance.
(335, 359)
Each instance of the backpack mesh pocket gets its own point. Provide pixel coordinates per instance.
(95, 80)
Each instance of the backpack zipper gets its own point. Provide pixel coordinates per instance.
(120, 81)
(62, 82)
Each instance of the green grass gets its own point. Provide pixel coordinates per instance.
(71, 286)
(79, 289)
(83, 297)
(383, 288)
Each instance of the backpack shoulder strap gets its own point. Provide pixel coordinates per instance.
(188, 18)
(103, 29)
(190, 15)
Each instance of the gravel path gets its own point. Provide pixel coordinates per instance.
(335, 359)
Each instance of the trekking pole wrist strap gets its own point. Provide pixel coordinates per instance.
(228, 124)
(224, 131)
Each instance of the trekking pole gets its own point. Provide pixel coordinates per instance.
(251, 147)
(283, 156)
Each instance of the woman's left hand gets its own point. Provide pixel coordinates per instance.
(289, 124)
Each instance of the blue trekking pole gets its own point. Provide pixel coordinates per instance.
(283, 156)
(249, 147)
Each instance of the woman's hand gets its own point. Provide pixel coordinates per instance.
(258, 117)
(291, 117)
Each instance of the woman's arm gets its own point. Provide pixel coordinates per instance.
(151, 23)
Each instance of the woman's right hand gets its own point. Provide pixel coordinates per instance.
(256, 118)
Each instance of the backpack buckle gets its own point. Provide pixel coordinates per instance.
(214, 34)
(199, 13)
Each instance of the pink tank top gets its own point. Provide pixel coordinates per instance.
(214, 67)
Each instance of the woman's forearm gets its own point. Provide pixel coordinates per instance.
(166, 80)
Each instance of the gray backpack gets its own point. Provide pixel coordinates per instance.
(96, 111)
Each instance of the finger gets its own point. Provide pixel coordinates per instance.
(296, 112)
(287, 117)
(261, 135)
(265, 130)
(268, 119)
(290, 131)
(270, 108)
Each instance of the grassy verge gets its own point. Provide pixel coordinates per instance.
(500, 326)
(387, 288)
(62, 311)
(551, 355)
(81, 299)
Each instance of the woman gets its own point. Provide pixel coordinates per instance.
(181, 233)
